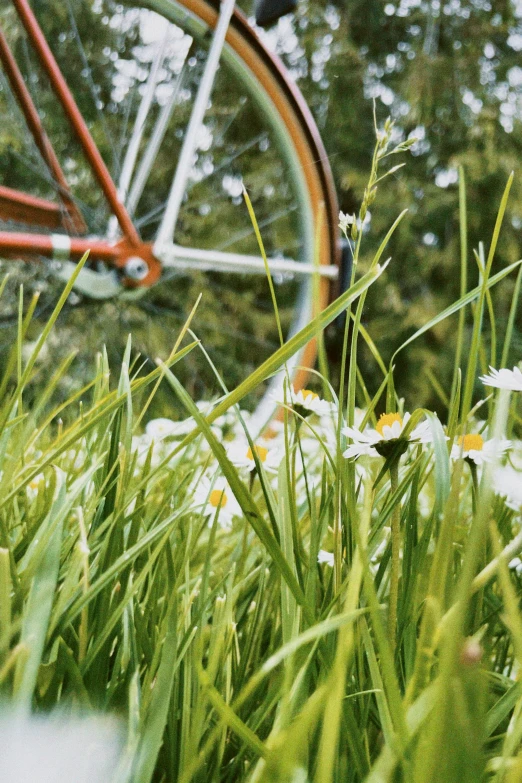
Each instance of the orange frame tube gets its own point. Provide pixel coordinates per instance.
(25, 244)
(78, 124)
(72, 215)
(19, 206)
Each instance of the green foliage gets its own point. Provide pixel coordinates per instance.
(296, 638)
(448, 74)
(227, 650)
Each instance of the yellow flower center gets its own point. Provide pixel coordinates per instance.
(218, 499)
(471, 442)
(260, 451)
(309, 394)
(386, 420)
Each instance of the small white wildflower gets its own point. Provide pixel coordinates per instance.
(275, 431)
(204, 407)
(268, 454)
(504, 379)
(158, 429)
(36, 485)
(475, 448)
(214, 495)
(224, 425)
(345, 221)
(389, 429)
(327, 431)
(305, 402)
(325, 557)
(76, 458)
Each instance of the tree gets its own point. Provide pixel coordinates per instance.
(449, 74)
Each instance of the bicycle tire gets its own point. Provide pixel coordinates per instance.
(245, 54)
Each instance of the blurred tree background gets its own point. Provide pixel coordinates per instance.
(449, 74)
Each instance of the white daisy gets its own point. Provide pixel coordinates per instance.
(306, 401)
(475, 448)
(504, 379)
(39, 483)
(268, 454)
(274, 431)
(225, 424)
(345, 221)
(36, 485)
(158, 429)
(389, 428)
(75, 458)
(214, 495)
(507, 482)
(325, 557)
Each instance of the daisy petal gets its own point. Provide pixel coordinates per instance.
(503, 379)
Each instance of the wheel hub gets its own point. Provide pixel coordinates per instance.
(139, 265)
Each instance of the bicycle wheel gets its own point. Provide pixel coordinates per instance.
(256, 131)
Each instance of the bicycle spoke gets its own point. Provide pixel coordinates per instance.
(190, 142)
(129, 162)
(262, 224)
(181, 258)
(225, 164)
(233, 116)
(153, 147)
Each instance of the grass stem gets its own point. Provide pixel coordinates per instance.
(395, 556)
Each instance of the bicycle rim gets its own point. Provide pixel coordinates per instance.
(261, 128)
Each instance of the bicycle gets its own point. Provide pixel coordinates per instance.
(136, 88)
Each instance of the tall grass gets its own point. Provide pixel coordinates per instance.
(355, 619)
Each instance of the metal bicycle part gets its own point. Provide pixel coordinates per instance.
(256, 135)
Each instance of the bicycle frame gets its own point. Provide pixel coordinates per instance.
(130, 250)
(48, 214)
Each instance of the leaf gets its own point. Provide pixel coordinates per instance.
(153, 725)
(456, 306)
(38, 612)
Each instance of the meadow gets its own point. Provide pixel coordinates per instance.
(336, 598)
